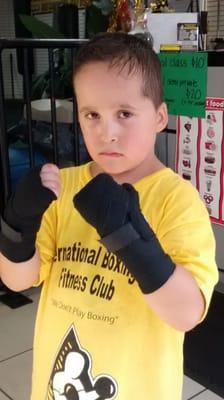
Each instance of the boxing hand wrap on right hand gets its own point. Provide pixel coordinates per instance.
(114, 211)
(22, 217)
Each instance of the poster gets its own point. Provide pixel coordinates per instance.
(200, 155)
(184, 78)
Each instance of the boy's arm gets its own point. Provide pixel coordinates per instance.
(170, 290)
(19, 258)
(20, 276)
(179, 301)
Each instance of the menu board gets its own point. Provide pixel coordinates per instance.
(200, 155)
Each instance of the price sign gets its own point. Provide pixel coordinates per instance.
(185, 82)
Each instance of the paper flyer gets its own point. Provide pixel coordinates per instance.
(200, 155)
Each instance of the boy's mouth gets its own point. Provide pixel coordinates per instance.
(110, 154)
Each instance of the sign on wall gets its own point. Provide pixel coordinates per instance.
(185, 82)
(200, 155)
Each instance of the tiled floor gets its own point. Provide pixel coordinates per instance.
(16, 334)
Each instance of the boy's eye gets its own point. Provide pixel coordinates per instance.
(125, 114)
(92, 115)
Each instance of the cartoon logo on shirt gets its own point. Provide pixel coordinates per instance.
(71, 377)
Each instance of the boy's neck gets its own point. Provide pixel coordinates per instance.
(131, 176)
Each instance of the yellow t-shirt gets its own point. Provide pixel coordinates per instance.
(96, 337)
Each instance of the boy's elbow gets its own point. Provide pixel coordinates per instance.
(187, 326)
(190, 322)
(184, 326)
(16, 286)
(19, 276)
(193, 314)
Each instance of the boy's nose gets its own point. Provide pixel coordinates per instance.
(109, 133)
(110, 139)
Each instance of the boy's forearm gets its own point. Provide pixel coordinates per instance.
(19, 276)
(179, 302)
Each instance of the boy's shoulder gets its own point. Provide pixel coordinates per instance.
(178, 188)
(167, 189)
(166, 181)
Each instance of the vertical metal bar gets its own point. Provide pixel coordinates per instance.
(75, 126)
(12, 75)
(5, 168)
(53, 107)
(27, 95)
(197, 6)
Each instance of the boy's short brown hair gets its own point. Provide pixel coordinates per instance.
(124, 50)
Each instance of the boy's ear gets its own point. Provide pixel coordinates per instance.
(162, 117)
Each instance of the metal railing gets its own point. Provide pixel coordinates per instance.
(25, 46)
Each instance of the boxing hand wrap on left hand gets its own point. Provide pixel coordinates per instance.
(22, 217)
(114, 211)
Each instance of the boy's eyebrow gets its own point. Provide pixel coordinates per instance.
(88, 108)
(84, 109)
(127, 106)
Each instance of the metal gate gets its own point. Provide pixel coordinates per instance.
(25, 49)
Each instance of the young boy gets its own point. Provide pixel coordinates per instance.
(125, 250)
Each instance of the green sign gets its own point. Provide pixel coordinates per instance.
(185, 82)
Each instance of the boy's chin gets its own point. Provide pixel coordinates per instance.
(114, 170)
(109, 167)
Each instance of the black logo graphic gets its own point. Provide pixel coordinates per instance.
(71, 377)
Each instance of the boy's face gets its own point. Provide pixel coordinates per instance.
(118, 122)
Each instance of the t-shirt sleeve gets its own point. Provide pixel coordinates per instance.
(186, 234)
(45, 242)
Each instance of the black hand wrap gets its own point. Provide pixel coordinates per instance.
(114, 211)
(22, 217)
